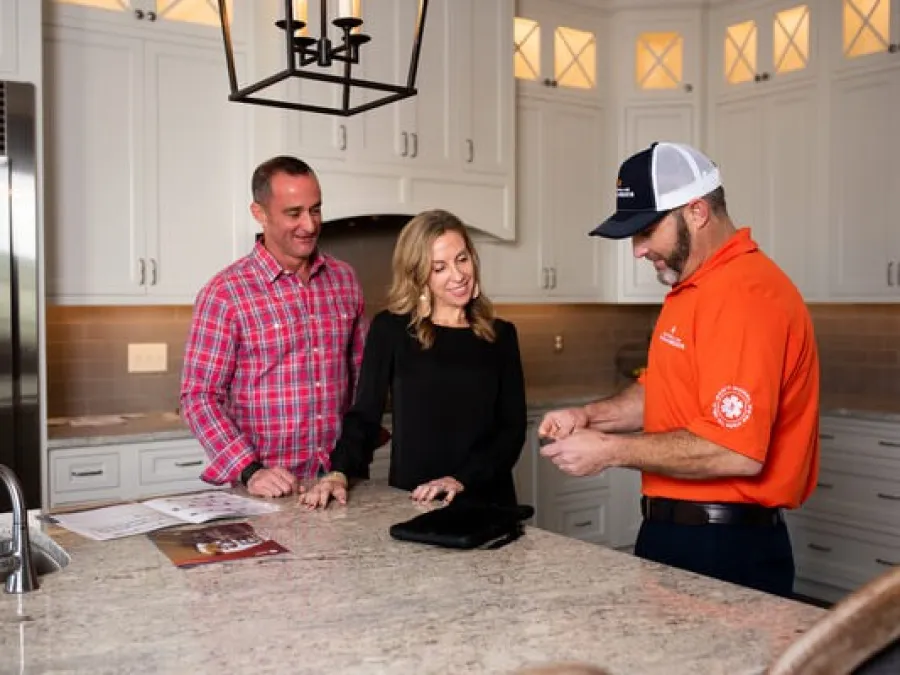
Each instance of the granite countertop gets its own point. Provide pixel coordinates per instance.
(349, 599)
(162, 426)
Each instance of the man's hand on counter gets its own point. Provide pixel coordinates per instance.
(274, 482)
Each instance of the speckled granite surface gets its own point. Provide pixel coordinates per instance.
(349, 600)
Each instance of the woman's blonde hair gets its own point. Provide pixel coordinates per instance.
(412, 269)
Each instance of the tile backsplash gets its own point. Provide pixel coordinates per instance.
(87, 352)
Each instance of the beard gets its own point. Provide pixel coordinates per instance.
(671, 273)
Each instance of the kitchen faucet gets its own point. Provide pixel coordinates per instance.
(18, 563)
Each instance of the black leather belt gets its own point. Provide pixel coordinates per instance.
(681, 512)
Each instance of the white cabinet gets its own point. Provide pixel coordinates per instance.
(561, 150)
(864, 145)
(560, 51)
(864, 35)
(20, 34)
(848, 532)
(755, 45)
(146, 189)
(768, 147)
(658, 93)
(9, 31)
(125, 472)
(450, 146)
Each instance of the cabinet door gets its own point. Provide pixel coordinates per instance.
(624, 507)
(661, 53)
(865, 34)
(863, 186)
(794, 218)
(94, 159)
(195, 148)
(482, 34)
(577, 153)
(520, 270)
(739, 148)
(426, 117)
(309, 135)
(9, 29)
(643, 124)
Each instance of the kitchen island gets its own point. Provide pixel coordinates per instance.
(349, 599)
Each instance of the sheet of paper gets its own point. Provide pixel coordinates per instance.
(200, 507)
(113, 522)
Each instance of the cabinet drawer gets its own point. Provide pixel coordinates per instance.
(840, 556)
(861, 489)
(86, 471)
(583, 517)
(859, 438)
(171, 465)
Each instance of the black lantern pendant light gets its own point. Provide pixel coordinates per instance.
(305, 53)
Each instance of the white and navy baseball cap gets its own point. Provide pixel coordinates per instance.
(655, 181)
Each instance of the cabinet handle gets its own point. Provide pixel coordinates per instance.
(183, 465)
(139, 14)
(87, 474)
(757, 78)
(405, 151)
(151, 16)
(545, 278)
(143, 266)
(552, 277)
(889, 444)
(765, 77)
(471, 150)
(893, 48)
(890, 269)
(817, 547)
(890, 498)
(825, 486)
(548, 82)
(886, 563)
(689, 88)
(826, 437)
(584, 523)
(153, 274)
(415, 139)
(343, 143)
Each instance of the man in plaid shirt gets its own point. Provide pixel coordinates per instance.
(275, 345)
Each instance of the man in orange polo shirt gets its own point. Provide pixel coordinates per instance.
(729, 404)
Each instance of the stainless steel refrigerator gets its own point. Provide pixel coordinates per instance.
(20, 431)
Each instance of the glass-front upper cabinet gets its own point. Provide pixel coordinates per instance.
(198, 12)
(660, 51)
(556, 49)
(868, 33)
(774, 42)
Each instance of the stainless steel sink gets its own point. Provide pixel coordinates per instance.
(48, 556)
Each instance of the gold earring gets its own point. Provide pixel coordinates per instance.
(425, 305)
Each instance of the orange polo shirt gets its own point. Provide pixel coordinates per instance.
(734, 360)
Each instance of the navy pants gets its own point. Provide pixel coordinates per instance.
(758, 557)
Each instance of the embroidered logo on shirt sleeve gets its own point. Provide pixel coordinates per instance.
(733, 407)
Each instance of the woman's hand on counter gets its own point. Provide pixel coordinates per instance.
(331, 486)
(447, 486)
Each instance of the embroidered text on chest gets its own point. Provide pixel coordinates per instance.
(671, 338)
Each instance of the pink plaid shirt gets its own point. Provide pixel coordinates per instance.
(271, 364)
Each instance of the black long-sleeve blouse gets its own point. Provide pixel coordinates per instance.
(458, 408)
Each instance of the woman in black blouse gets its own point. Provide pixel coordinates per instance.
(454, 375)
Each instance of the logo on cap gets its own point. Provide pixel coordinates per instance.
(625, 192)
